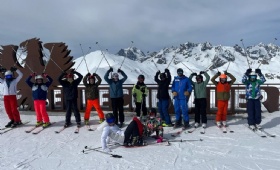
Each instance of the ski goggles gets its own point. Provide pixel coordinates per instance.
(8, 76)
(110, 120)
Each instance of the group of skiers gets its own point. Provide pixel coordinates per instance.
(142, 124)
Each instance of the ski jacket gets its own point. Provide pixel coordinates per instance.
(163, 86)
(200, 88)
(139, 89)
(180, 85)
(223, 89)
(70, 90)
(12, 89)
(153, 125)
(116, 87)
(92, 91)
(39, 91)
(253, 90)
(111, 132)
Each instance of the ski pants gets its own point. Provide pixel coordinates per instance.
(141, 106)
(131, 131)
(117, 106)
(10, 103)
(222, 110)
(200, 110)
(163, 110)
(254, 111)
(93, 103)
(72, 105)
(41, 112)
(181, 106)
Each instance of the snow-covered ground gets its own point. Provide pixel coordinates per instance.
(47, 150)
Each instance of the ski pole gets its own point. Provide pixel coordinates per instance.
(113, 155)
(185, 140)
(171, 60)
(245, 52)
(84, 57)
(103, 54)
(187, 67)
(22, 59)
(126, 54)
(24, 48)
(262, 60)
(49, 57)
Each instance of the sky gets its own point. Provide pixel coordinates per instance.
(151, 25)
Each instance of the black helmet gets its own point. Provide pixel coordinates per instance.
(141, 76)
(110, 118)
(180, 71)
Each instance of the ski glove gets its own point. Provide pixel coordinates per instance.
(202, 72)
(258, 71)
(111, 69)
(174, 93)
(226, 73)
(166, 70)
(119, 70)
(107, 150)
(158, 72)
(88, 74)
(219, 73)
(13, 69)
(44, 74)
(32, 74)
(194, 74)
(248, 71)
(186, 93)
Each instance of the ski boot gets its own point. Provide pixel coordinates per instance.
(9, 124)
(39, 123)
(46, 124)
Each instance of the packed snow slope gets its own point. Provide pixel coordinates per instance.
(47, 150)
(189, 56)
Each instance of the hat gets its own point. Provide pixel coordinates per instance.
(38, 77)
(110, 118)
(141, 76)
(91, 77)
(179, 70)
(162, 75)
(223, 76)
(115, 75)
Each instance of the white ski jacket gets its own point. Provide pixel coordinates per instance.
(111, 132)
(12, 90)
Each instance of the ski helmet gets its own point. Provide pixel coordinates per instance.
(8, 74)
(115, 75)
(253, 76)
(110, 118)
(223, 76)
(141, 76)
(91, 77)
(38, 77)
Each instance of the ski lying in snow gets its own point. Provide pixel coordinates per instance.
(268, 134)
(89, 128)
(231, 131)
(41, 128)
(96, 149)
(60, 130)
(180, 131)
(9, 128)
(256, 131)
(185, 140)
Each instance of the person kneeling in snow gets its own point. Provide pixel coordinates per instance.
(132, 136)
(253, 97)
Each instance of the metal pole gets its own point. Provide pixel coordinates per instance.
(49, 58)
(102, 53)
(262, 60)
(126, 54)
(84, 58)
(246, 53)
(22, 59)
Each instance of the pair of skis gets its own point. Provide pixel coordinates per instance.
(37, 129)
(225, 129)
(195, 128)
(76, 130)
(5, 130)
(89, 149)
(261, 132)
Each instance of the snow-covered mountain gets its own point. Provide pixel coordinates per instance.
(189, 56)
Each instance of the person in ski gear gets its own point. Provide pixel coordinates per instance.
(131, 136)
(163, 96)
(10, 99)
(253, 96)
(139, 93)
(92, 96)
(223, 95)
(181, 90)
(39, 94)
(116, 94)
(70, 89)
(200, 97)
(154, 124)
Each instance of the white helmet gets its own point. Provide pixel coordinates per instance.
(8, 73)
(38, 77)
(253, 73)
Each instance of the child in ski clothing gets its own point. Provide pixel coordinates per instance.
(154, 124)
(116, 94)
(10, 99)
(200, 97)
(92, 96)
(70, 89)
(39, 94)
(139, 92)
(163, 95)
(132, 136)
(223, 95)
(181, 90)
(253, 96)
